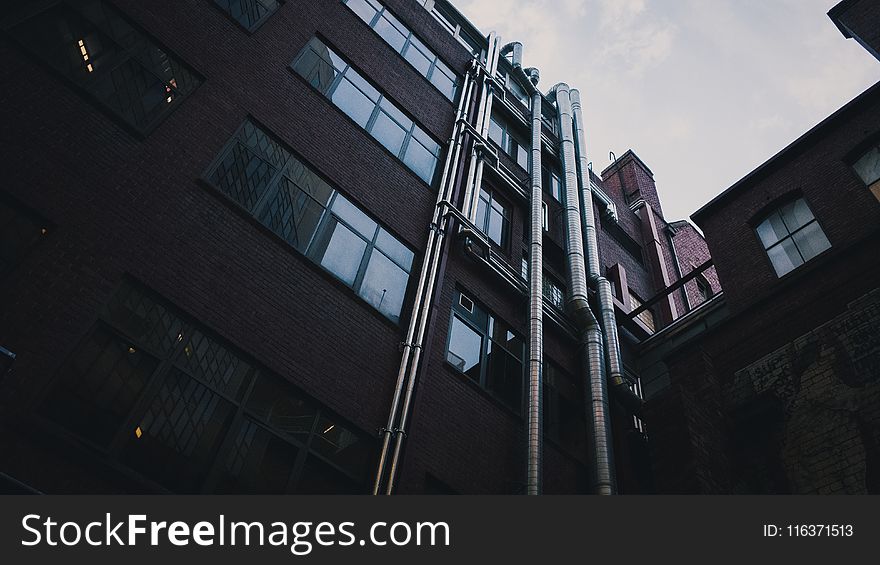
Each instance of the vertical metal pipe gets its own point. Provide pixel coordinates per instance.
(536, 306)
(596, 391)
(434, 244)
(483, 113)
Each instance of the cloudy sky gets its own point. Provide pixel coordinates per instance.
(702, 90)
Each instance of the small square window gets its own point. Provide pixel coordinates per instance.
(791, 236)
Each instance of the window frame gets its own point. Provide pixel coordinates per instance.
(256, 25)
(457, 313)
(311, 248)
(412, 133)
(484, 223)
(775, 208)
(169, 362)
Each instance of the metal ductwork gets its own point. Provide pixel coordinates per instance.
(599, 420)
(534, 408)
(515, 50)
(604, 292)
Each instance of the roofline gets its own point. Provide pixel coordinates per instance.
(619, 162)
(835, 13)
(777, 159)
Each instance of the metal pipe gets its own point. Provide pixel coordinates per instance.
(604, 293)
(482, 127)
(578, 303)
(536, 304)
(432, 249)
(515, 49)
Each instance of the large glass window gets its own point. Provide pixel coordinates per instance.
(402, 40)
(161, 395)
(93, 45)
(289, 198)
(493, 218)
(552, 182)
(369, 108)
(487, 351)
(791, 236)
(249, 13)
(510, 143)
(20, 231)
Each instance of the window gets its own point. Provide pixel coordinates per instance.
(791, 236)
(554, 292)
(646, 316)
(447, 16)
(704, 289)
(516, 89)
(289, 198)
(552, 183)
(488, 352)
(249, 13)
(868, 169)
(402, 40)
(20, 231)
(564, 418)
(493, 218)
(90, 43)
(369, 108)
(499, 133)
(161, 395)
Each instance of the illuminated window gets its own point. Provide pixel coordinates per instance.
(90, 43)
(161, 395)
(487, 351)
(402, 40)
(288, 197)
(249, 13)
(368, 107)
(791, 236)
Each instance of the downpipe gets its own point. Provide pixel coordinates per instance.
(604, 292)
(596, 392)
(411, 347)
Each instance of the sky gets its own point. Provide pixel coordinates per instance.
(703, 91)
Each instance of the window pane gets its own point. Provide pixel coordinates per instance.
(504, 377)
(248, 12)
(384, 285)
(242, 176)
(391, 30)
(420, 160)
(496, 132)
(482, 220)
(465, 349)
(796, 214)
(98, 386)
(176, 439)
(341, 446)
(444, 84)
(388, 133)
(417, 57)
(353, 102)
(143, 319)
(497, 228)
(316, 66)
(364, 9)
(277, 403)
(214, 364)
(344, 253)
(785, 257)
(811, 241)
(394, 249)
(292, 214)
(522, 157)
(772, 230)
(351, 214)
(309, 181)
(868, 167)
(259, 462)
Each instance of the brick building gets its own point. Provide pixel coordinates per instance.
(264, 246)
(774, 387)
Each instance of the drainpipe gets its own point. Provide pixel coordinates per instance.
(534, 407)
(599, 425)
(484, 113)
(604, 293)
(412, 346)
